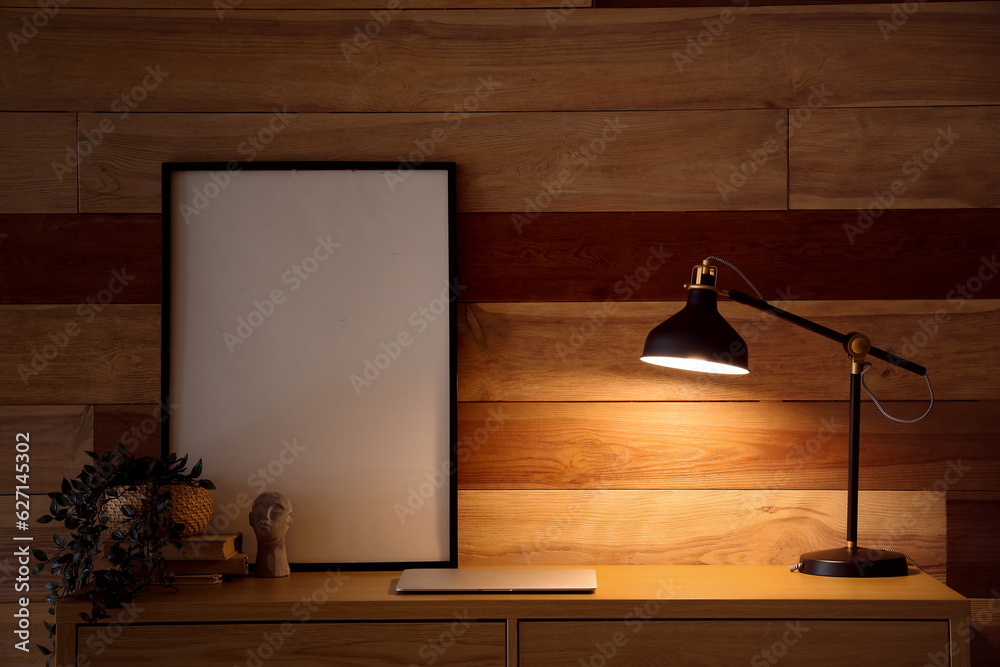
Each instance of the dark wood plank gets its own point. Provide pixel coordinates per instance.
(973, 542)
(590, 352)
(36, 176)
(985, 631)
(111, 356)
(597, 256)
(509, 161)
(766, 445)
(622, 4)
(873, 159)
(57, 437)
(135, 426)
(683, 527)
(70, 258)
(764, 57)
(232, 8)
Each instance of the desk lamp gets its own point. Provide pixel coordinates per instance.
(698, 339)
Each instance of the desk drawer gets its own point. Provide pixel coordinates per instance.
(726, 643)
(452, 644)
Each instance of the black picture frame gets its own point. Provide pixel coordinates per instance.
(202, 202)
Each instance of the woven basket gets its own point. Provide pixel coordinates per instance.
(192, 506)
(189, 505)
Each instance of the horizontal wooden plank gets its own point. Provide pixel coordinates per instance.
(225, 9)
(590, 352)
(68, 258)
(690, 527)
(635, 640)
(597, 256)
(571, 256)
(370, 644)
(874, 159)
(135, 426)
(590, 161)
(33, 164)
(75, 354)
(765, 445)
(687, 58)
(973, 542)
(56, 437)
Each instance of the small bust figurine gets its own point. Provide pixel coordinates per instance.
(270, 517)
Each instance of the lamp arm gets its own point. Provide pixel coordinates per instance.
(826, 332)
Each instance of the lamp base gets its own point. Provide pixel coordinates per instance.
(854, 562)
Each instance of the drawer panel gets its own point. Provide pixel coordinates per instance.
(707, 643)
(452, 644)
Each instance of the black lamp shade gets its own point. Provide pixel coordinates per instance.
(698, 338)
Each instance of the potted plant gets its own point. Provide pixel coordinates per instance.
(110, 565)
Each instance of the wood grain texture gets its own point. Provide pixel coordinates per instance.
(113, 357)
(695, 643)
(873, 159)
(499, 528)
(12, 657)
(225, 10)
(590, 352)
(984, 629)
(812, 254)
(591, 161)
(68, 258)
(763, 57)
(973, 542)
(135, 426)
(58, 436)
(12, 578)
(29, 145)
(723, 446)
(369, 644)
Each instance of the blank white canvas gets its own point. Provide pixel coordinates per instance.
(276, 410)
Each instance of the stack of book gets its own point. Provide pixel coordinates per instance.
(206, 559)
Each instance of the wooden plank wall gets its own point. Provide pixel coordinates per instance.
(842, 154)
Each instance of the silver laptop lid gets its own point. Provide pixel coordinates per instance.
(497, 580)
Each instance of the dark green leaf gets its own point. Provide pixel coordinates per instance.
(196, 470)
(45, 518)
(39, 554)
(44, 650)
(128, 511)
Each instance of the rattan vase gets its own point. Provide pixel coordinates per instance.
(192, 506)
(189, 505)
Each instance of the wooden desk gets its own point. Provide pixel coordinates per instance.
(687, 615)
